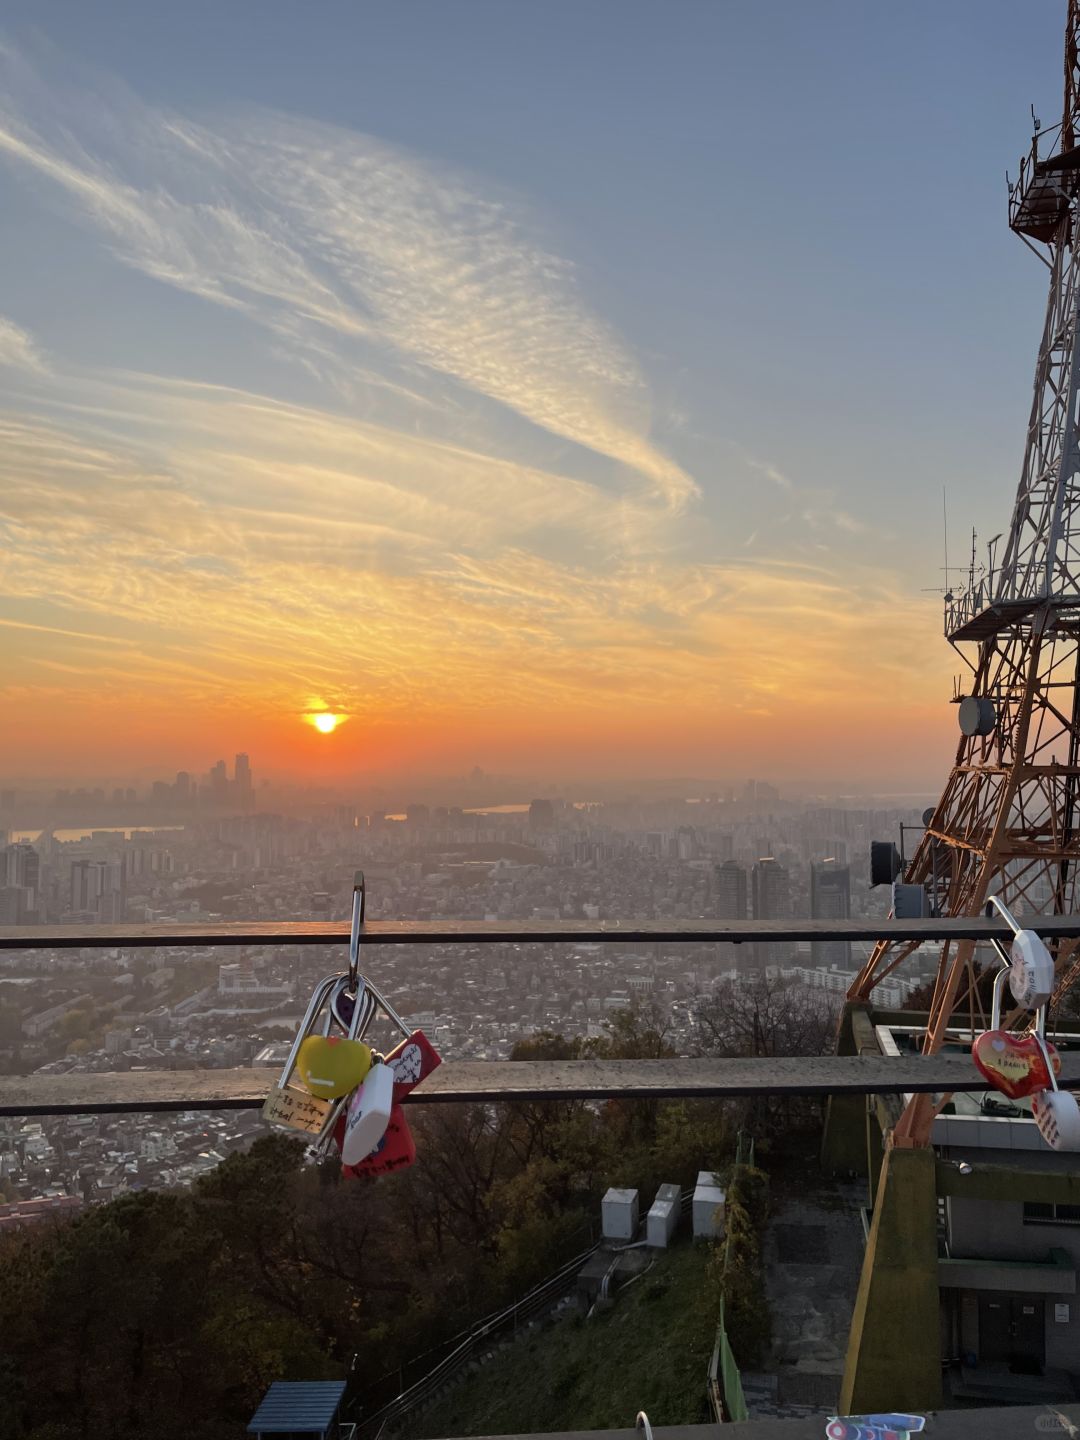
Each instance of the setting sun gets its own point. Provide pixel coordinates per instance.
(325, 722)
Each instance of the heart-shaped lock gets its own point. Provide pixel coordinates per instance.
(329, 1066)
(368, 1115)
(1014, 1064)
(412, 1061)
(395, 1151)
(1057, 1115)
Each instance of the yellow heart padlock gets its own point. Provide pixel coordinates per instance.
(330, 1066)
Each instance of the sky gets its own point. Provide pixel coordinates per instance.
(566, 390)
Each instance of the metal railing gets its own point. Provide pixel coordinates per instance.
(726, 1399)
(487, 1081)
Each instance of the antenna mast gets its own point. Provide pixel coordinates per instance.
(1008, 821)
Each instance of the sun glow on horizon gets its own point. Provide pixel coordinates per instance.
(325, 721)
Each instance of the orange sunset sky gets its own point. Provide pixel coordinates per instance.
(518, 416)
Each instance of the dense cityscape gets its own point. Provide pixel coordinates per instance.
(740, 852)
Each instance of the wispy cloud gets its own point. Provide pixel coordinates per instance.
(342, 244)
(257, 576)
(18, 349)
(770, 471)
(413, 544)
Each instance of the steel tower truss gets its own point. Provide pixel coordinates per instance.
(1008, 821)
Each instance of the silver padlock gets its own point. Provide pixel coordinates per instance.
(353, 1004)
(290, 1106)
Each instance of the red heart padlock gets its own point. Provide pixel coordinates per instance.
(395, 1151)
(412, 1061)
(1012, 1063)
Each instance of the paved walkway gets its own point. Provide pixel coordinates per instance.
(812, 1254)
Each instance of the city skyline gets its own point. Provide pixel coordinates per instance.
(525, 422)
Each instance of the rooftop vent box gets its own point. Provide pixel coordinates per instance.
(709, 1200)
(661, 1222)
(619, 1213)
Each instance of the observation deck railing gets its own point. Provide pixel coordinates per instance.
(1041, 196)
(489, 1081)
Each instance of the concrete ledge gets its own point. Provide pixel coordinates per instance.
(490, 1080)
(1013, 1422)
(1045, 1277)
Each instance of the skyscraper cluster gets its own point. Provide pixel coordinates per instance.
(215, 791)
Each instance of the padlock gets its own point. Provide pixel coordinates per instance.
(350, 1000)
(367, 1114)
(1031, 971)
(290, 1106)
(395, 1151)
(350, 1096)
(330, 1066)
(1020, 1065)
(1014, 1064)
(412, 1061)
(1055, 1111)
(293, 1106)
(1057, 1115)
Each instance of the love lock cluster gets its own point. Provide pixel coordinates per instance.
(349, 1096)
(1025, 1065)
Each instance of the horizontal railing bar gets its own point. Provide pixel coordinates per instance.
(492, 1080)
(997, 1423)
(483, 932)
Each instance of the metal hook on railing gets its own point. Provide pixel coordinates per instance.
(995, 902)
(359, 897)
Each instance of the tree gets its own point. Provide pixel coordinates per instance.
(761, 1016)
(764, 1015)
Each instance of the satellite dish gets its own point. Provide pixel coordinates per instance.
(884, 862)
(928, 815)
(976, 715)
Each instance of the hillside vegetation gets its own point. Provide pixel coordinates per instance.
(649, 1351)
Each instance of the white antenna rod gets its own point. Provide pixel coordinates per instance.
(945, 527)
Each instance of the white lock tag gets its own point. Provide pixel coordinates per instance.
(1031, 973)
(1058, 1117)
(368, 1114)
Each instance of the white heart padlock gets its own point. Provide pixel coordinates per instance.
(1057, 1115)
(369, 1114)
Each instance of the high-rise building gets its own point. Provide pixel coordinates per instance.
(245, 792)
(21, 865)
(730, 891)
(20, 884)
(97, 888)
(830, 899)
(219, 784)
(770, 893)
